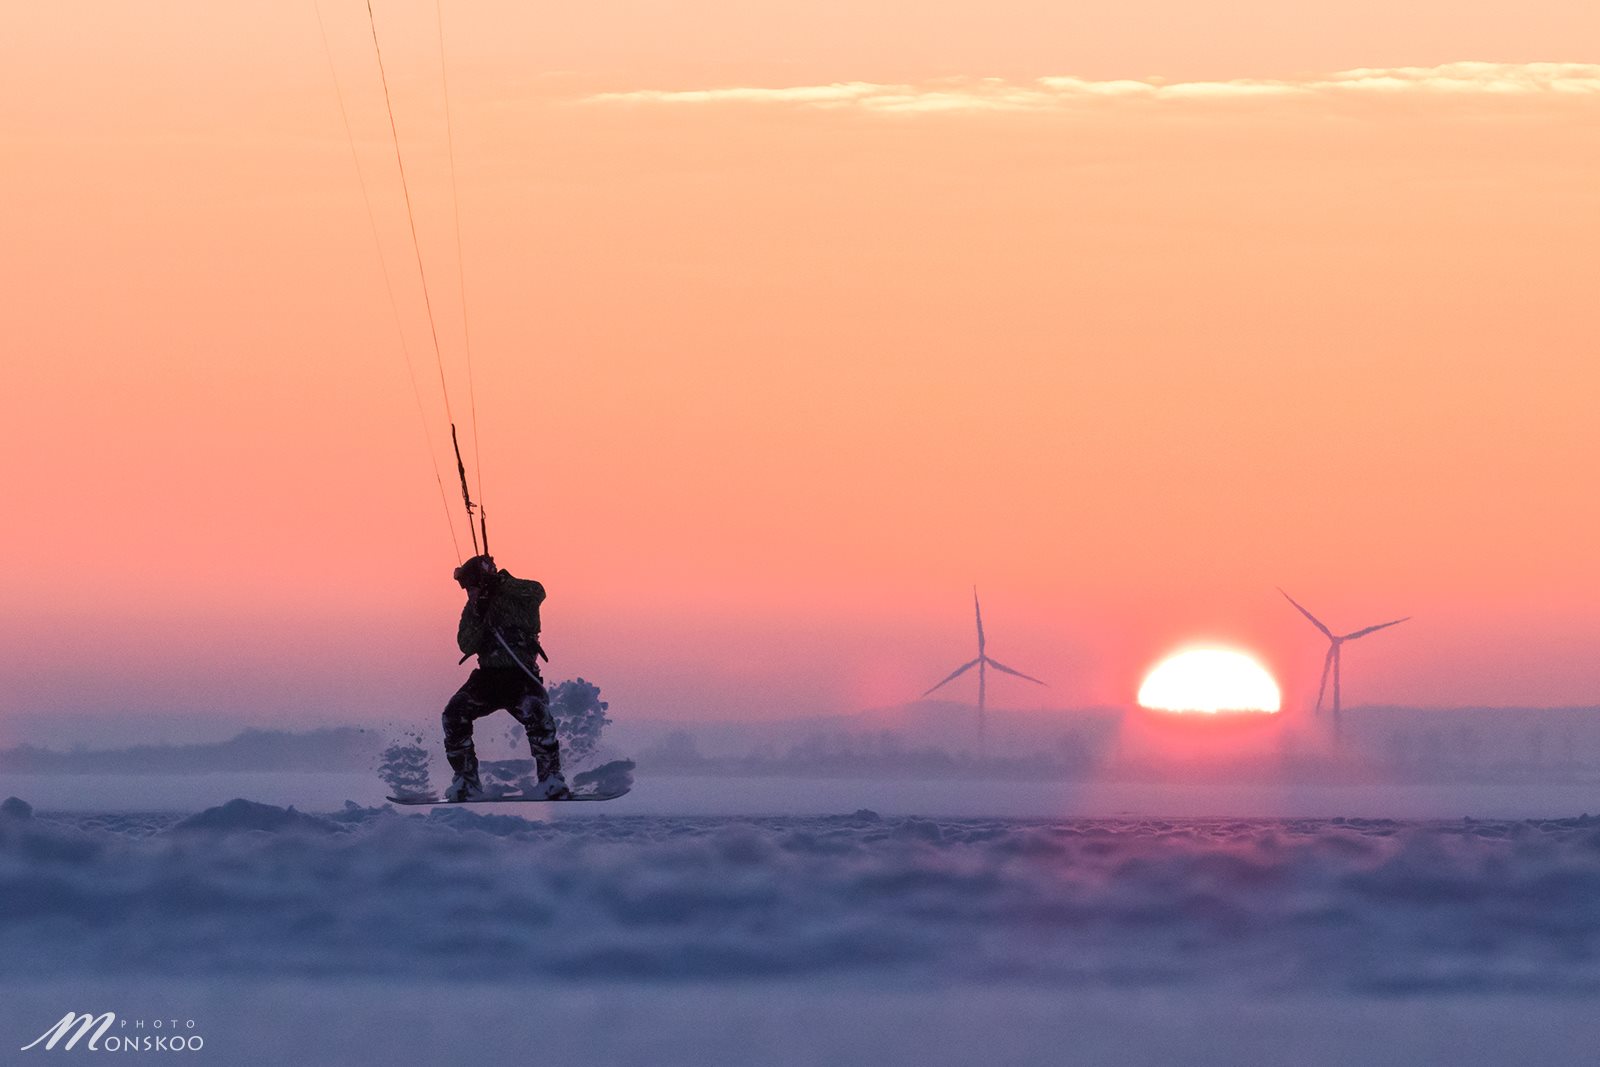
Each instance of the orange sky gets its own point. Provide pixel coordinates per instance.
(790, 323)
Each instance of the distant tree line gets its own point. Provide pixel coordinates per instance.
(331, 749)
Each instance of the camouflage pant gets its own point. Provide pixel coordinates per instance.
(487, 690)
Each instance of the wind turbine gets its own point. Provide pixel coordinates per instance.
(983, 663)
(1335, 643)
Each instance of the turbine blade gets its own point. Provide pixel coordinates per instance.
(978, 611)
(953, 675)
(1372, 629)
(1327, 665)
(997, 665)
(1314, 620)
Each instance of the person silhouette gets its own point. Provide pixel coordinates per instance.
(500, 626)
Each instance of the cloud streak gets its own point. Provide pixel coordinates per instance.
(1450, 80)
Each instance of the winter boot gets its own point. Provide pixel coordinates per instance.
(552, 783)
(464, 787)
(552, 787)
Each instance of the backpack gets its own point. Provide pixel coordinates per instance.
(515, 610)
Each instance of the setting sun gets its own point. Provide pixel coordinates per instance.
(1209, 680)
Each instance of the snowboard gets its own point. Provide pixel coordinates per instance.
(509, 798)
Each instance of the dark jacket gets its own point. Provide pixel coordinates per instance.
(509, 605)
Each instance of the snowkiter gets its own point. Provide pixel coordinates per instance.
(500, 625)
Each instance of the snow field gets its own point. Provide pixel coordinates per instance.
(1360, 906)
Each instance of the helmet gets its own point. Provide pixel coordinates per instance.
(475, 571)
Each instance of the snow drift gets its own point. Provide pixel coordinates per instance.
(249, 889)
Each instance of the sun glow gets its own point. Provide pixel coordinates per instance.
(1209, 680)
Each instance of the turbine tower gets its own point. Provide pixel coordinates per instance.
(983, 663)
(1335, 643)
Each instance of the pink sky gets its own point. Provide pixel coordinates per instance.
(792, 322)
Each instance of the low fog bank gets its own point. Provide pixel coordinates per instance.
(1339, 906)
(372, 936)
(937, 741)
